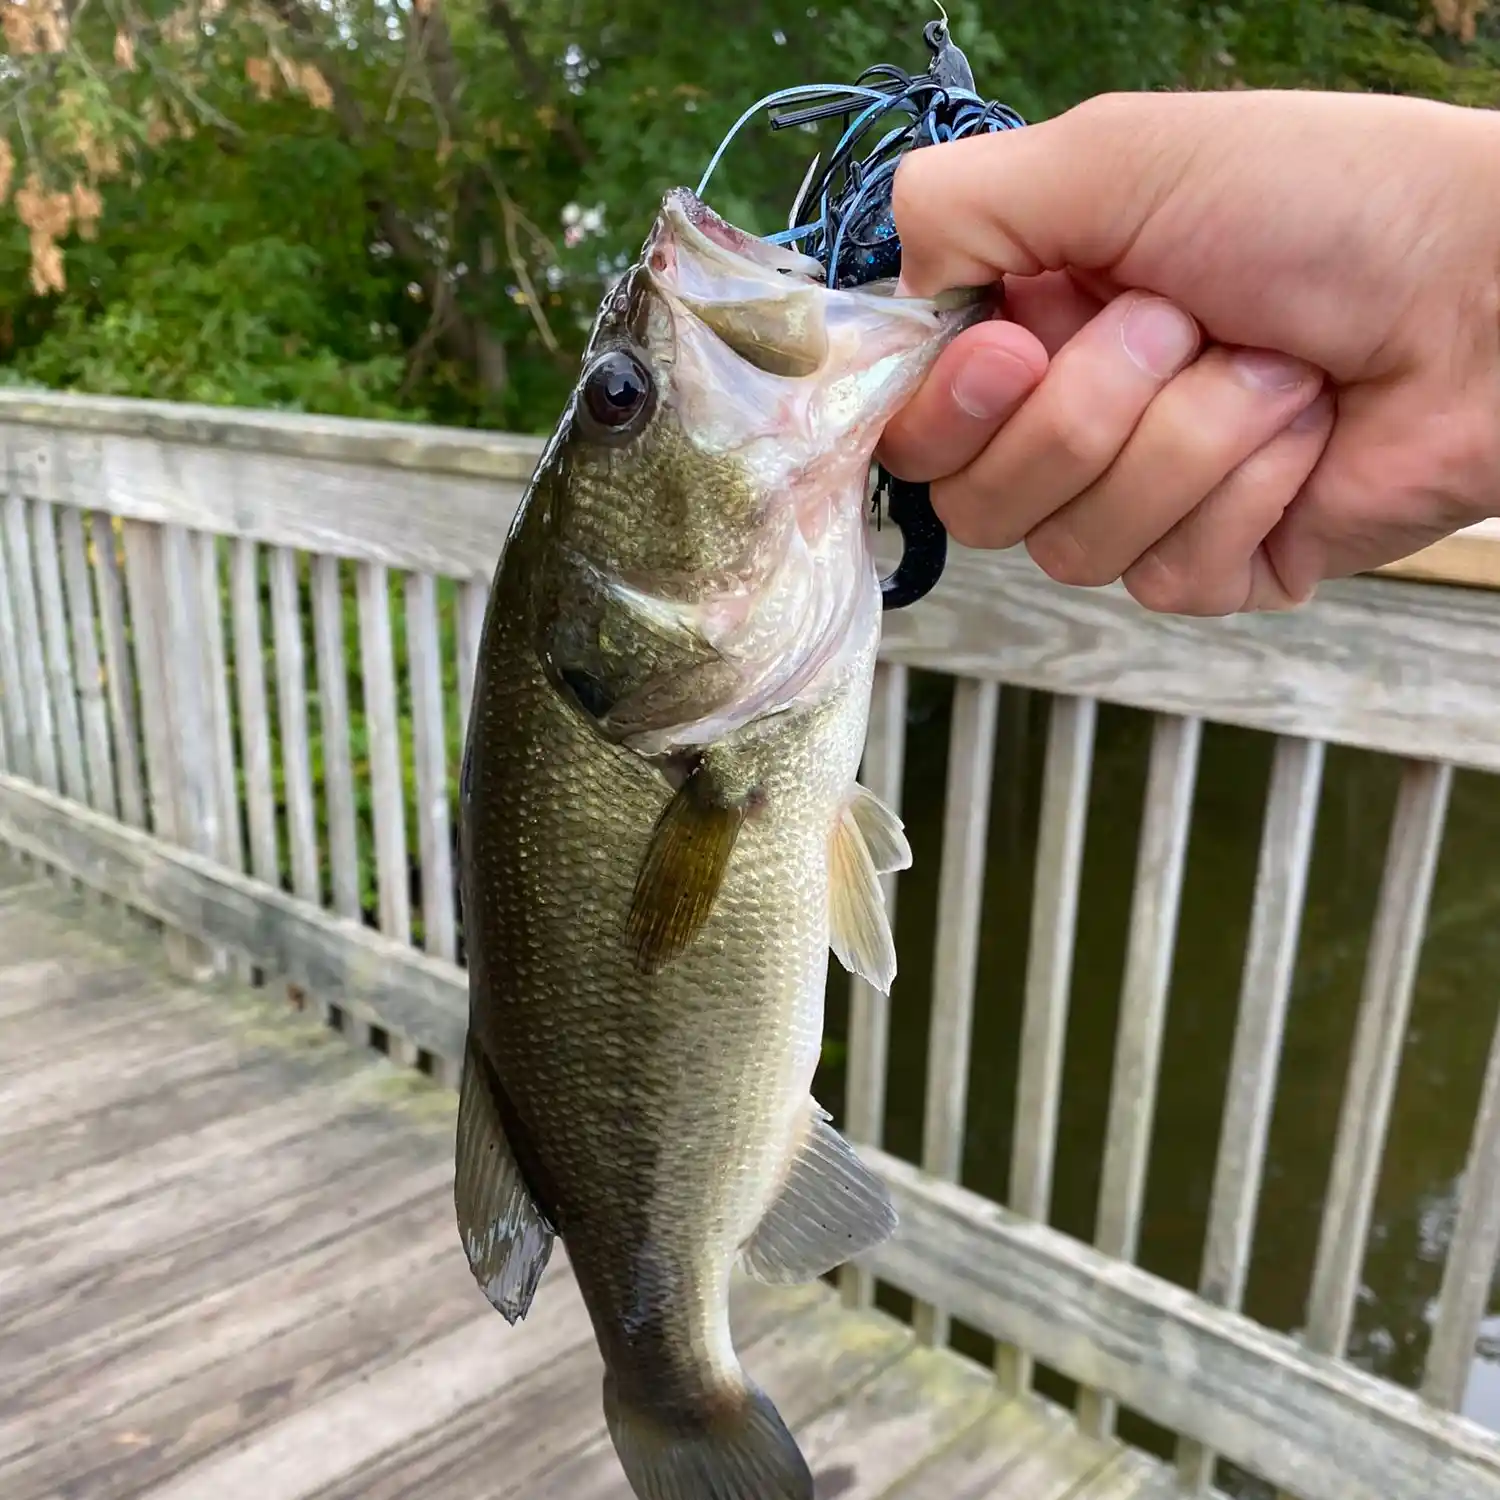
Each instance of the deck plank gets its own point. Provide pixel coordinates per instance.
(228, 1267)
(554, 1414)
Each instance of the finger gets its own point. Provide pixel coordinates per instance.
(1070, 191)
(976, 383)
(1214, 562)
(1069, 430)
(1205, 424)
(1053, 306)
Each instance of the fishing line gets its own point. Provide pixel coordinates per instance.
(842, 218)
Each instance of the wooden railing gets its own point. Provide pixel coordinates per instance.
(172, 739)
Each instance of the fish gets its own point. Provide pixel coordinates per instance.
(663, 836)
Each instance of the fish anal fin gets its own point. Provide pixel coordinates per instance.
(683, 868)
(741, 1449)
(831, 1208)
(859, 929)
(883, 832)
(504, 1234)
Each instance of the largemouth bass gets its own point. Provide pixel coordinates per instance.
(663, 836)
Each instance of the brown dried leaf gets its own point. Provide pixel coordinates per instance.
(87, 208)
(1460, 18)
(261, 75)
(29, 200)
(315, 87)
(125, 50)
(47, 266)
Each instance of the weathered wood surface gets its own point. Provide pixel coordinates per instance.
(1470, 557)
(228, 1268)
(1306, 1423)
(1372, 662)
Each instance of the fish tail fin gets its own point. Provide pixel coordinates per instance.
(738, 1450)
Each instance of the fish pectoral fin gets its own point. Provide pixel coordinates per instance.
(505, 1236)
(684, 865)
(859, 930)
(883, 832)
(738, 1449)
(831, 1208)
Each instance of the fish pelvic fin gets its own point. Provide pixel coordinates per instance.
(741, 1449)
(505, 1236)
(684, 865)
(831, 1208)
(859, 929)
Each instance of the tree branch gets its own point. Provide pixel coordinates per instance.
(534, 80)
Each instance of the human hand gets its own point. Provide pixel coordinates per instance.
(1251, 340)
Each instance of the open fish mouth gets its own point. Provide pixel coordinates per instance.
(689, 244)
(771, 304)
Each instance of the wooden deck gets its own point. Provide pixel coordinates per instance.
(228, 1271)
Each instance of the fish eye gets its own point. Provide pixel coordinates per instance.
(616, 391)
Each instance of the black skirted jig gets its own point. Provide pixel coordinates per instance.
(842, 217)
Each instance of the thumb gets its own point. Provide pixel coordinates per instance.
(1073, 192)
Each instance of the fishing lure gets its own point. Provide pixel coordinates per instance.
(842, 217)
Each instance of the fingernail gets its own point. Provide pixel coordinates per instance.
(1158, 336)
(988, 383)
(1314, 414)
(1269, 371)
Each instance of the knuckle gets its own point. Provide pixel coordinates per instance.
(1059, 553)
(1157, 586)
(970, 517)
(1464, 450)
(1072, 431)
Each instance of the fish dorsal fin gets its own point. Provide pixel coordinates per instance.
(504, 1235)
(859, 930)
(831, 1207)
(884, 833)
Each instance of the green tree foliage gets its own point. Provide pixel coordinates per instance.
(406, 207)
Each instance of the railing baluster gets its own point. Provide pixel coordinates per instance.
(194, 777)
(333, 700)
(1049, 974)
(434, 830)
(29, 639)
(291, 719)
(255, 728)
(119, 672)
(1390, 977)
(1160, 861)
(1265, 989)
(210, 598)
(971, 771)
(59, 658)
(20, 758)
(86, 655)
(386, 790)
(144, 586)
(1469, 1277)
(869, 1010)
(473, 596)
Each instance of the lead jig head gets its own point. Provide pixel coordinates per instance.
(842, 217)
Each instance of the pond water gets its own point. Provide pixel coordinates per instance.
(1454, 1017)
